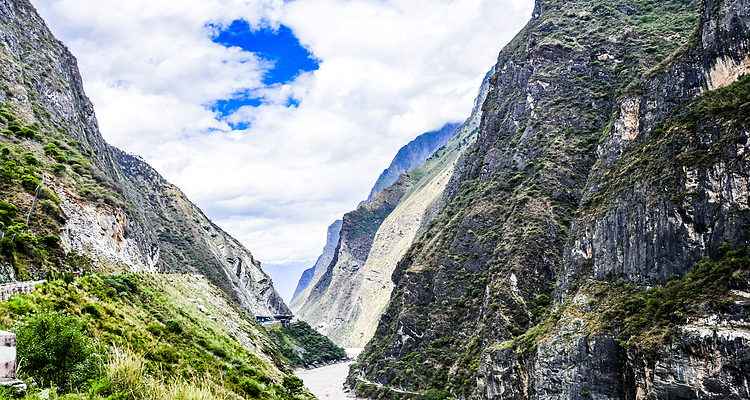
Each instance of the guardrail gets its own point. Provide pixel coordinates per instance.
(9, 289)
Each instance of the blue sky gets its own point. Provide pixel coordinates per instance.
(275, 133)
(278, 47)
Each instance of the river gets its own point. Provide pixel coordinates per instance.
(327, 383)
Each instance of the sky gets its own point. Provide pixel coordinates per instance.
(276, 117)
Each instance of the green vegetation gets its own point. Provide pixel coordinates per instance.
(138, 337)
(678, 142)
(55, 350)
(316, 348)
(499, 239)
(650, 314)
(645, 319)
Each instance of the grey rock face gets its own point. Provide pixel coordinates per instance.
(312, 274)
(645, 236)
(477, 285)
(642, 235)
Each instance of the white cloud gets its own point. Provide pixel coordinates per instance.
(389, 70)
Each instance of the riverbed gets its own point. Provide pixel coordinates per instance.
(327, 383)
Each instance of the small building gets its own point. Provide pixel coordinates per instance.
(284, 319)
(8, 363)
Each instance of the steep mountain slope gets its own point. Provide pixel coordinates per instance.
(347, 300)
(582, 176)
(312, 274)
(110, 208)
(411, 156)
(172, 327)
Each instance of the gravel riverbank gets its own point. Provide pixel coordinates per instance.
(328, 382)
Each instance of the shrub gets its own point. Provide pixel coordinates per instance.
(7, 246)
(293, 384)
(436, 394)
(48, 206)
(19, 305)
(56, 350)
(47, 194)
(51, 241)
(30, 158)
(251, 388)
(92, 310)
(29, 182)
(68, 278)
(8, 211)
(174, 327)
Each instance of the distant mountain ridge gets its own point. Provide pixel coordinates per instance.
(410, 156)
(346, 297)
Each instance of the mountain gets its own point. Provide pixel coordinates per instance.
(593, 240)
(346, 300)
(87, 204)
(411, 156)
(151, 289)
(313, 273)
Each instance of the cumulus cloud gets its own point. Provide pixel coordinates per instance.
(388, 71)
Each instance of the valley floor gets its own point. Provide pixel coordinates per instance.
(327, 383)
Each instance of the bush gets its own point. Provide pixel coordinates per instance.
(92, 310)
(174, 327)
(29, 182)
(436, 394)
(50, 241)
(56, 350)
(8, 211)
(48, 206)
(251, 388)
(30, 158)
(293, 384)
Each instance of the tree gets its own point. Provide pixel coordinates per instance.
(54, 349)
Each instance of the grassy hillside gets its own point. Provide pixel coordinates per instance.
(142, 336)
(303, 346)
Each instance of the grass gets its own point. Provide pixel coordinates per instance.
(318, 349)
(155, 342)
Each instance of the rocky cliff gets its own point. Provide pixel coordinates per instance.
(312, 274)
(72, 201)
(349, 297)
(592, 244)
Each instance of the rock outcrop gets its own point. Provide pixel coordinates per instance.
(312, 274)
